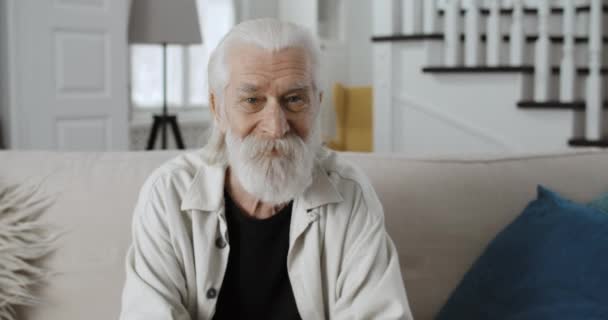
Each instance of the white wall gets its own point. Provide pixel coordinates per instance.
(253, 9)
(358, 35)
(440, 114)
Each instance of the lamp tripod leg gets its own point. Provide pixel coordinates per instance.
(176, 133)
(153, 134)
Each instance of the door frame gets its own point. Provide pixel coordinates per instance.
(12, 129)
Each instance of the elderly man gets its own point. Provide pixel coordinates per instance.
(263, 222)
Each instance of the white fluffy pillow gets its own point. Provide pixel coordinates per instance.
(23, 242)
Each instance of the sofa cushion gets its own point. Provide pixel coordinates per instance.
(440, 212)
(550, 263)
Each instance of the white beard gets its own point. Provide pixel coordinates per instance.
(274, 179)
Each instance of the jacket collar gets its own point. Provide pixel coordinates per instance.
(206, 191)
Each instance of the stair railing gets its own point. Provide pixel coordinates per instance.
(472, 22)
(451, 33)
(411, 13)
(542, 55)
(429, 17)
(517, 37)
(567, 74)
(594, 96)
(494, 38)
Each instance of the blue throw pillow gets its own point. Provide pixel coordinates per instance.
(600, 202)
(550, 263)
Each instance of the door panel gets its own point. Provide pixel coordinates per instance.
(73, 67)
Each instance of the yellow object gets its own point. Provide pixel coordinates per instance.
(353, 119)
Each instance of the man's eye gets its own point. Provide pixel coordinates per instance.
(252, 104)
(295, 103)
(294, 99)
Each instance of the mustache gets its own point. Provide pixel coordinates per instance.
(258, 148)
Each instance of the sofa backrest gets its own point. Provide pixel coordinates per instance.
(441, 213)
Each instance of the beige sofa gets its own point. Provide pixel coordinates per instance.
(440, 212)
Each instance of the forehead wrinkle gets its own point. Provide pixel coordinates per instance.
(248, 87)
(298, 86)
(270, 63)
(280, 83)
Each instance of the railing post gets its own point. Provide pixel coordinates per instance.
(594, 110)
(385, 17)
(517, 34)
(472, 35)
(493, 34)
(385, 22)
(567, 67)
(430, 16)
(411, 16)
(542, 57)
(452, 34)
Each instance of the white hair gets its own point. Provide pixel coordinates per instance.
(270, 34)
(267, 33)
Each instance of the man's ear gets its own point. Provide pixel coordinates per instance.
(215, 111)
(213, 106)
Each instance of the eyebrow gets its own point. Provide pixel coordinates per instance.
(249, 88)
(252, 88)
(297, 87)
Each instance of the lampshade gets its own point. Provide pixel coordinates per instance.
(164, 21)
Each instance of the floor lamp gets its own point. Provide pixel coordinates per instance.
(164, 22)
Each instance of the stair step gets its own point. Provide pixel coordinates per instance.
(581, 71)
(582, 142)
(552, 105)
(481, 69)
(534, 37)
(527, 10)
(483, 37)
(408, 37)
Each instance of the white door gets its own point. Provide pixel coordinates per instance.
(72, 74)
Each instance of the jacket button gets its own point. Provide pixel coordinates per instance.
(211, 293)
(220, 243)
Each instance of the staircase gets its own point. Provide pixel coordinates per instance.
(484, 76)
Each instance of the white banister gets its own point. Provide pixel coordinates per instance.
(385, 22)
(472, 34)
(385, 17)
(567, 67)
(411, 16)
(593, 112)
(493, 34)
(516, 57)
(430, 16)
(542, 58)
(452, 33)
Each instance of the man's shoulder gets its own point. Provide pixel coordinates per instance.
(357, 191)
(178, 171)
(348, 178)
(343, 170)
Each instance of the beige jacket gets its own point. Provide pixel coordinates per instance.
(341, 262)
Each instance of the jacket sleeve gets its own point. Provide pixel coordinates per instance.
(155, 286)
(370, 285)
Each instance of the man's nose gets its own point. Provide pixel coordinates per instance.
(274, 124)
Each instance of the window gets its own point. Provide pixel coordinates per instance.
(186, 64)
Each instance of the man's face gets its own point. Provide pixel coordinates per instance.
(269, 93)
(268, 117)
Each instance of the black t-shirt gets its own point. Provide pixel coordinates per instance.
(256, 284)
